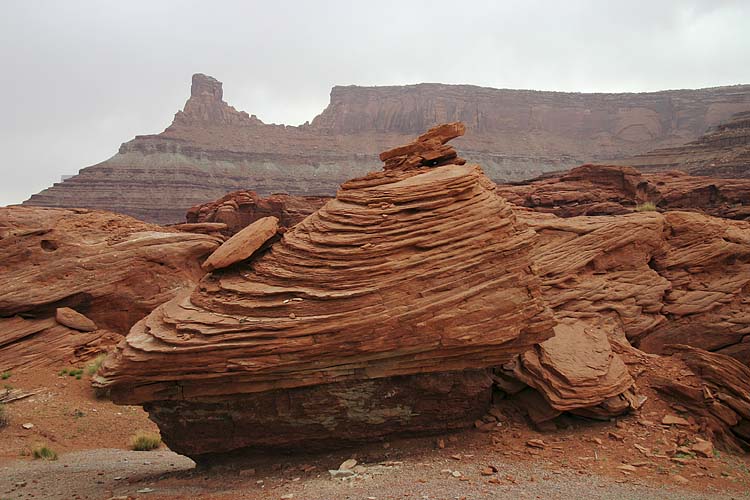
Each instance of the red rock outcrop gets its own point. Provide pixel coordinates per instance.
(722, 152)
(211, 149)
(241, 208)
(716, 390)
(111, 268)
(401, 291)
(575, 371)
(657, 279)
(616, 190)
(26, 344)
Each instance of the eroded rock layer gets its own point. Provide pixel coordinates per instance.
(716, 390)
(109, 267)
(657, 279)
(724, 151)
(211, 148)
(616, 190)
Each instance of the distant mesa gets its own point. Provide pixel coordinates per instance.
(211, 149)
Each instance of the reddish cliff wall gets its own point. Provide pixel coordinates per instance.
(211, 148)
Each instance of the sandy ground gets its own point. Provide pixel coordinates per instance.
(582, 458)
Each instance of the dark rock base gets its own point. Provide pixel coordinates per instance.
(324, 416)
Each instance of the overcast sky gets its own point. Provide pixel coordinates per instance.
(79, 78)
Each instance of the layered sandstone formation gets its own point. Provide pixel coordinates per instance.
(716, 390)
(724, 151)
(241, 208)
(74, 281)
(575, 371)
(211, 149)
(379, 313)
(655, 279)
(617, 190)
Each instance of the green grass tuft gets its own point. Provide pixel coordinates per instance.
(5, 375)
(43, 452)
(145, 441)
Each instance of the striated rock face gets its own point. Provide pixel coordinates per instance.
(65, 264)
(656, 279)
(241, 208)
(722, 152)
(27, 344)
(716, 389)
(211, 149)
(361, 321)
(616, 190)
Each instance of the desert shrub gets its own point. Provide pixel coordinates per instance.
(93, 367)
(145, 441)
(4, 417)
(43, 452)
(5, 375)
(646, 207)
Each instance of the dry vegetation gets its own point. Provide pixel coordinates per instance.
(145, 441)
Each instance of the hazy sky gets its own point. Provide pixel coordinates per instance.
(79, 78)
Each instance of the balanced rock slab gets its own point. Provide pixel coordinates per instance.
(243, 244)
(73, 319)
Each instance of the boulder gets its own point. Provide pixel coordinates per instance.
(243, 244)
(408, 272)
(73, 319)
(577, 371)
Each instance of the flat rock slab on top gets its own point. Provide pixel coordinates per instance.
(73, 319)
(243, 244)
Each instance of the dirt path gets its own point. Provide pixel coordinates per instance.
(102, 474)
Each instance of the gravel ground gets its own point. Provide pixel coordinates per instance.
(106, 473)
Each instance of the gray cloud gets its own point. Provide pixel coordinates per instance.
(79, 78)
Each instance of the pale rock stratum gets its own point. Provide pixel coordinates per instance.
(211, 148)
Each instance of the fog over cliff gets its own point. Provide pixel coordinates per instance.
(79, 78)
